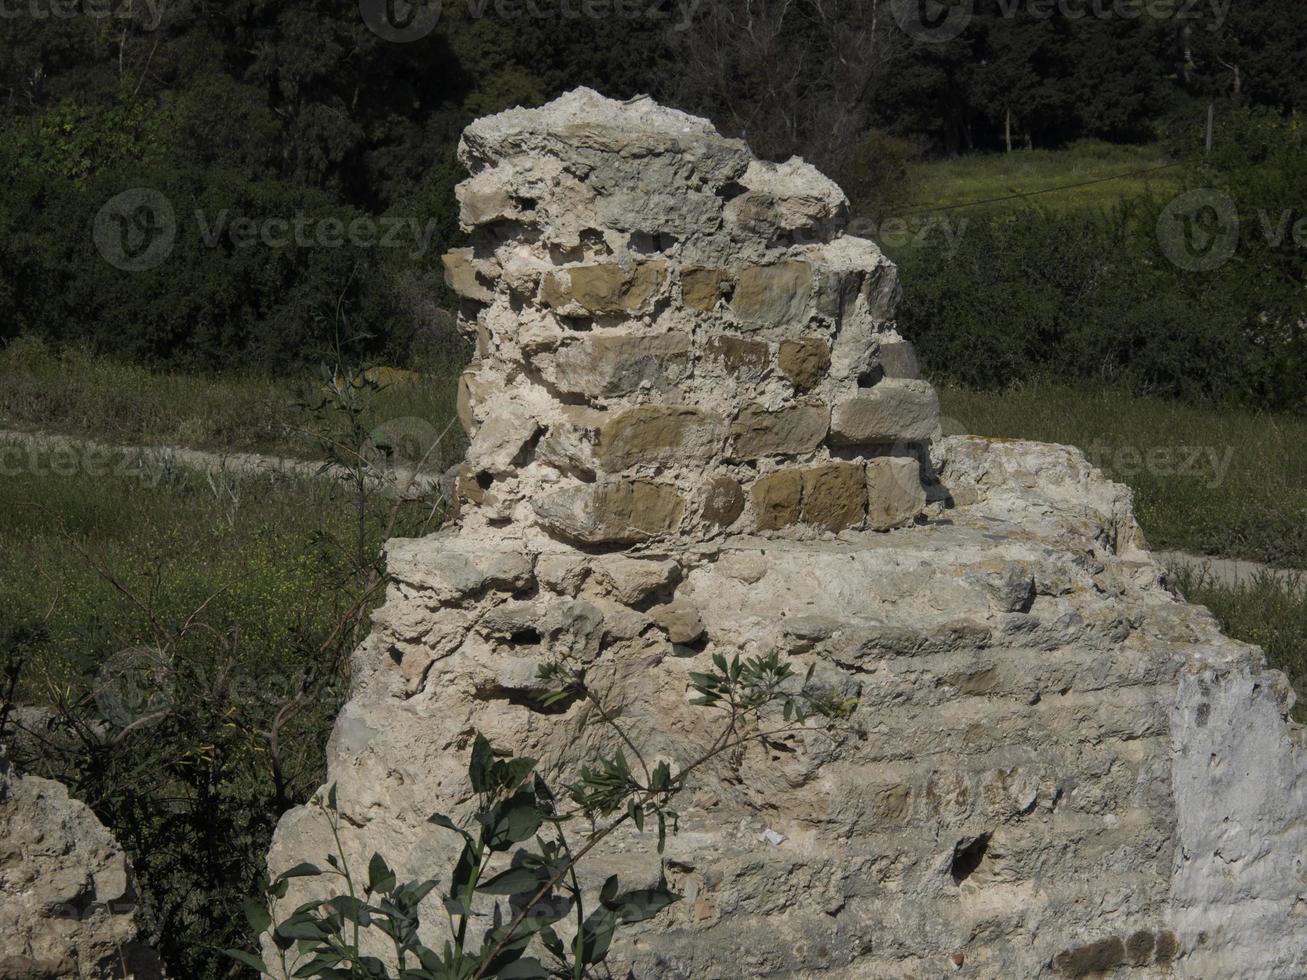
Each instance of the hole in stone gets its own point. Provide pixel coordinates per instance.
(525, 638)
(871, 377)
(484, 480)
(581, 324)
(967, 856)
(731, 190)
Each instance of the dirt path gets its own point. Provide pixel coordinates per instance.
(84, 454)
(1232, 572)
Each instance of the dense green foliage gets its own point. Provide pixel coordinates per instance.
(296, 113)
(1104, 297)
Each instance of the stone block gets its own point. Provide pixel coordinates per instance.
(659, 434)
(701, 288)
(603, 287)
(898, 359)
(614, 512)
(831, 496)
(834, 496)
(792, 430)
(633, 580)
(680, 620)
(723, 501)
(776, 499)
(895, 493)
(620, 364)
(461, 276)
(894, 411)
(804, 361)
(776, 295)
(746, 359)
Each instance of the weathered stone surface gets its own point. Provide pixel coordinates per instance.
(66, 892)
(616, 512)
(605, 287)
(834, 496)
(894, 491)
(804, 361)
(747, 359)
(723, 501)
(620, 364)
(680, 620)
(634, 580)
(792, 430)
(776, 499)
(461, 276)
(894, 411)
(774, 295)
(787, 199)
(701, 288)
(898, 359)
(658, 434)
(1053, 766)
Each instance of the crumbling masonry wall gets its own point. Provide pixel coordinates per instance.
(697, 431)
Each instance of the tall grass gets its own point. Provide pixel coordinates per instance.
(72, 393)
(1207, 480)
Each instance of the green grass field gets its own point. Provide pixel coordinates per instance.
(1041, 178)
(1208, 481)
(73, 394)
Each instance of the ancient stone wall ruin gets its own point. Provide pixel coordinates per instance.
(695, 430)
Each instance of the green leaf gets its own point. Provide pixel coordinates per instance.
(380, 877)
(514, 881)
(645, 903)
(636, 810)
(524, 969)
(331, 798)
(249, 959)
(304, 870)
(597, 935)
(257, 915)
(609, 890)
(478, 770)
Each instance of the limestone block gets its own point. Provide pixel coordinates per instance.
(894, 411)
(898, 359)
(483, 199)
(616, 512)
(895, 492)
(804, 361)
(659, 434)
(792, 430)
(778, 295)
(681, 621)
(634, 580)
(776, 499)
(701, 288)
(461, 275)
(786, 199)
(604, 287)
(747, 360)
(832, 496)
(619, 364)
(569, 443)
(723, 501)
